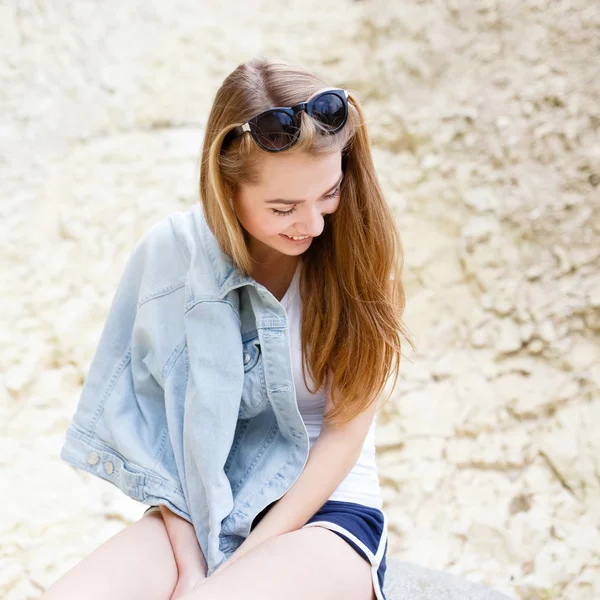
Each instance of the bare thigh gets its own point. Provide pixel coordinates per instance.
(136, 563)
(310, 563)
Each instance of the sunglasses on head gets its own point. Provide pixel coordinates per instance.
(278, 128)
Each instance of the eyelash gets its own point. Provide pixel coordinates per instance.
(284, 213)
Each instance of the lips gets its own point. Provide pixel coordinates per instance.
(301, 242)
(297, 238)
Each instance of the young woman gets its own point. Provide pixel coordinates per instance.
(234, 386)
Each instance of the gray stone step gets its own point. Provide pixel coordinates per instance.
(405, 581)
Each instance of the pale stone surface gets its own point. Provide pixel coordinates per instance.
(405, 581)
(484, 122)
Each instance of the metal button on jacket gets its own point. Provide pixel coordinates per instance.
(93, 458)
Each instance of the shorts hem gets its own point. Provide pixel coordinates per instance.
(374, 559)
(151, 509)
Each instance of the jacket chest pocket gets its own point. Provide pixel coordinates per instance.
(254, 393)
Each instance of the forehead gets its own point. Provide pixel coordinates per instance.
(297, 175)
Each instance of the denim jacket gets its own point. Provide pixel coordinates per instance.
(189, 400)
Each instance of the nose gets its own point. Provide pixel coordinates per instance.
(313, 223)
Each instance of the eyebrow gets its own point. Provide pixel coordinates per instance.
(281, 201)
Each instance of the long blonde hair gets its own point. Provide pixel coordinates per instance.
(352, 294)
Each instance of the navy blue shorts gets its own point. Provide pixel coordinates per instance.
(364, 528)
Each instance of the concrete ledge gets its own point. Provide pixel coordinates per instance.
(404, 581)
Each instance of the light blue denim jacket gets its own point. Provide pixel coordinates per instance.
(189, 400)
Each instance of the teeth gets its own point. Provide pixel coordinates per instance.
(297, 237)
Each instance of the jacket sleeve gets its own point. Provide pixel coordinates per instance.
(120, 429)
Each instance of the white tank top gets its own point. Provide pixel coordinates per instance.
(361, 485)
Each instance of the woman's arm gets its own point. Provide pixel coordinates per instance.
(189, 558)
(331, 458)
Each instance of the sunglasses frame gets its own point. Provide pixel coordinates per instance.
(292, 112)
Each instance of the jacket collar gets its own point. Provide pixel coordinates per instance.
(227, 275)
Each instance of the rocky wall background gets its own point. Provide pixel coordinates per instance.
(484, 119)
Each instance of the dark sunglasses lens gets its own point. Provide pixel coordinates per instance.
(274, 130)
(330, 110)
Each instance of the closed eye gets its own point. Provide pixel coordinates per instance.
(334, 194)
(331, 196)
(283, 212)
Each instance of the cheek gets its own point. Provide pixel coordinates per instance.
(275, 225)
(260, 225)
(333, 206)
(247, 216)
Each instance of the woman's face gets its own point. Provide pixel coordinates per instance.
(295, 191)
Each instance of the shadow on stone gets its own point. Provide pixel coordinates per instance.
(405, 581)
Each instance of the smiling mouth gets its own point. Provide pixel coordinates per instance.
(296, 238)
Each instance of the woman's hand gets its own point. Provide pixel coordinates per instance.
(187, 582)
(189, 559)
(190, 581)
(222, 566)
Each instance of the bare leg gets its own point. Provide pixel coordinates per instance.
(312, 562)
(135, 564)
